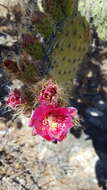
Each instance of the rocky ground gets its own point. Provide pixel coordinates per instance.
(79, 162)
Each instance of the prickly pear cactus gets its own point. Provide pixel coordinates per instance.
(97, 10)
(70, 45)
(57, 48)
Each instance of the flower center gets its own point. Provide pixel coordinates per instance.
(52, 123)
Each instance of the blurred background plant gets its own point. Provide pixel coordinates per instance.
(95, 12)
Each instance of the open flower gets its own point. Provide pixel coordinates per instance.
(49, 93)
(15, 98)
(52, 122)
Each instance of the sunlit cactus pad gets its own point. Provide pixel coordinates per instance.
(69, 47)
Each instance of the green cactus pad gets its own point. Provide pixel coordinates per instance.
(59, 9)
(69, 48)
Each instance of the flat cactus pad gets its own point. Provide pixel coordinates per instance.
(69, 47)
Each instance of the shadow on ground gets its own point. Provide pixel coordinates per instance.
(90, 93)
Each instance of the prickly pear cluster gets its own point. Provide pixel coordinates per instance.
(48, 63)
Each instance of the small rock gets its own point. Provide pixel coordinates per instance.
(101, 105)
(94, 112)
(6, 39)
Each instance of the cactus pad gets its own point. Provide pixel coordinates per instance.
(69, 47)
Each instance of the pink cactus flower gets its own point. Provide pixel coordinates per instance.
(15, 99)
(49, 93)
(52, 122)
